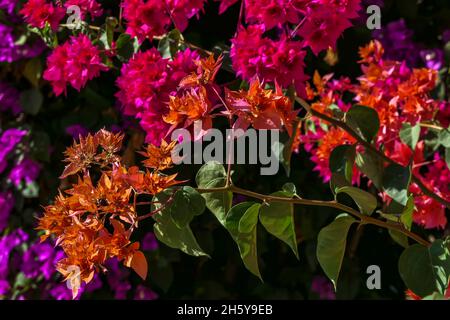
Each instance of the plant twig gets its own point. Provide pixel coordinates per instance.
(367, 145)
(319, 203)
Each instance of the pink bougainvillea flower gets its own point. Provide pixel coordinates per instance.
(183, 10)
(38, 12)
(272, 13)
(91, 7)
(322, 28)
(280, 61)
(75, 62)
(145, 85)
(146, 19)
(225, 4)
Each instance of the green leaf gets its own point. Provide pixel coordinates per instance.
(410, 134)
(338, 181)
(447, 157)
(331, 245)
(183, 239)
(247, 242)
(364, 121)
(366, 202)
(416, 270)
(440, 260)
(208, 172)
(126, 47)
(286, 149)
(33, 71)
(399, 237)
(396, 180)
(407, 215)
(342, 159)
(444, 138)
(31, 100)
(168, 232)
(213, 175)
(372, 166)
(169, 45)
(187, 203)
(249, 219)
(278, 219)
(290, 189)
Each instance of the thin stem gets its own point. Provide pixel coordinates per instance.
(319, 203)
(431, 126)
(415, 179)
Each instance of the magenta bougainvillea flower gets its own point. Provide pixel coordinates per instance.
(273, 13)
(145, 84)
(75, 62)
(146, 19)
(280, 61)
(91, 7)
(39, 12)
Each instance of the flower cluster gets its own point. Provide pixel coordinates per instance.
(38, 13)
(93, 221)
(399, 95)
(11, 46)
(91, 7)
(145, 84)
(146, 19)
(75, 62)
(318, 23)
(24, 170)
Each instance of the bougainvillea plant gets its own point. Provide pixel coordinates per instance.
(381, 142)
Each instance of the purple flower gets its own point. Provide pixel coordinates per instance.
(27, 170)
(144, 293)
(9, 99)
(6, 206)
(117, 279)
(149, 243)
(10, 51)
(40, 259)
(61, 292)
(397, 40)
(7, 244)
(433, 58)
(8, 140)
(95, 284)
(76, 131)
(4, 287)
(8, 5)
(323, 288)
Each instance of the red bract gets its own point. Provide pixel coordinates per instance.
(75, 62)
(39, 12)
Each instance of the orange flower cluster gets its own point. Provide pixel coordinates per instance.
(261, 108)
(192, 101)
(93, 222)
